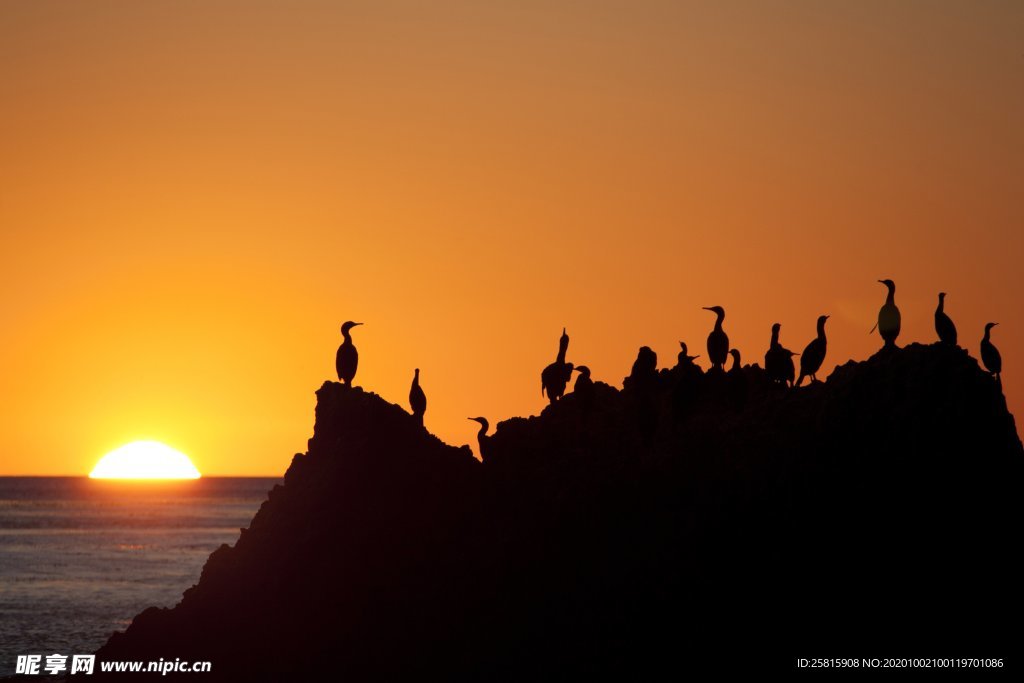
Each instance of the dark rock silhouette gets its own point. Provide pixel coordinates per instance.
(990, 354)
(718, 340)
(778, 360)
(347, 359)
(875, 512)
(889, 316)
(417, 398)
(944, 326)
(814, 354)
(555, 377)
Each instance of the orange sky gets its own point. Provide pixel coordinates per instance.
(194, 195)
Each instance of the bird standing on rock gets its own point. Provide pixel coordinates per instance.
(584, 385)
(482, 439)
(348, 358)
(684, 359)
(814, 354)
(417, 399)
(555, 377)
(990, 354)
(718, 340)
(889, 317)
(944, 326)
(778, 361)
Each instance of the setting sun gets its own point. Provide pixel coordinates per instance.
(145, 460)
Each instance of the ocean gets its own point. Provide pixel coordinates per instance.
(80, 557)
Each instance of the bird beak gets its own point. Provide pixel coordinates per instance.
(354, 324)
(995, 324)
(827, 317)
(705, 308)
(882, 281)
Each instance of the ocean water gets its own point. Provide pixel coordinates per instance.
(80, 557)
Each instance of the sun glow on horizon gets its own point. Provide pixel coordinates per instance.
(145, 460)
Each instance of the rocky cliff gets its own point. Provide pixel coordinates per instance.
(686, 521)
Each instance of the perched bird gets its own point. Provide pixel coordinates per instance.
(944, 324)
(584, 385)
(889, 316)
(990, 354)
(417, 399)
(778, 361)
(584, 388)
(737, 382)
(645, 367)
(814, 354)
(482, 439)
(348, 358)
(718, 340)
(736, 367)
(684, 359)
(556, 376)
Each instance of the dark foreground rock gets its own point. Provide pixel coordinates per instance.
(687, 522)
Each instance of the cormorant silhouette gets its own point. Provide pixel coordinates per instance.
(736, 367)
(556, 376)
(584, 385)
(684, 359)
(645, 367)
(944, 324)
(778, 360)
(814, 354)
(417, 399)
(737, 382)
(348, 358)
(482, 439)
(889, 316)
(718, 340)
(990, 354)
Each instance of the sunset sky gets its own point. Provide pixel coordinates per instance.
(194, 195)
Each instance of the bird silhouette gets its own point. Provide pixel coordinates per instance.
(990, 354)
(944, 326)
(417, 399)
(814, 354)
(684, 358)
(347, 359)
(889, 316)
(778, 360)
(644, 375)
(718, 340)
(584, 385)
(555, 377)
(483, 441)
(736, 367)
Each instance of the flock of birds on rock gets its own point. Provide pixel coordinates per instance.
(778, 361)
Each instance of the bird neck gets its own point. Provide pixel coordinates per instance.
(890, 298)
(718, 322)
(941, 306)
(988, 330)
(775, 339)
(821, 330)
(347, 336)
(483, 431)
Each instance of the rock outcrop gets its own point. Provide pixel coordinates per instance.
(692, 521)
